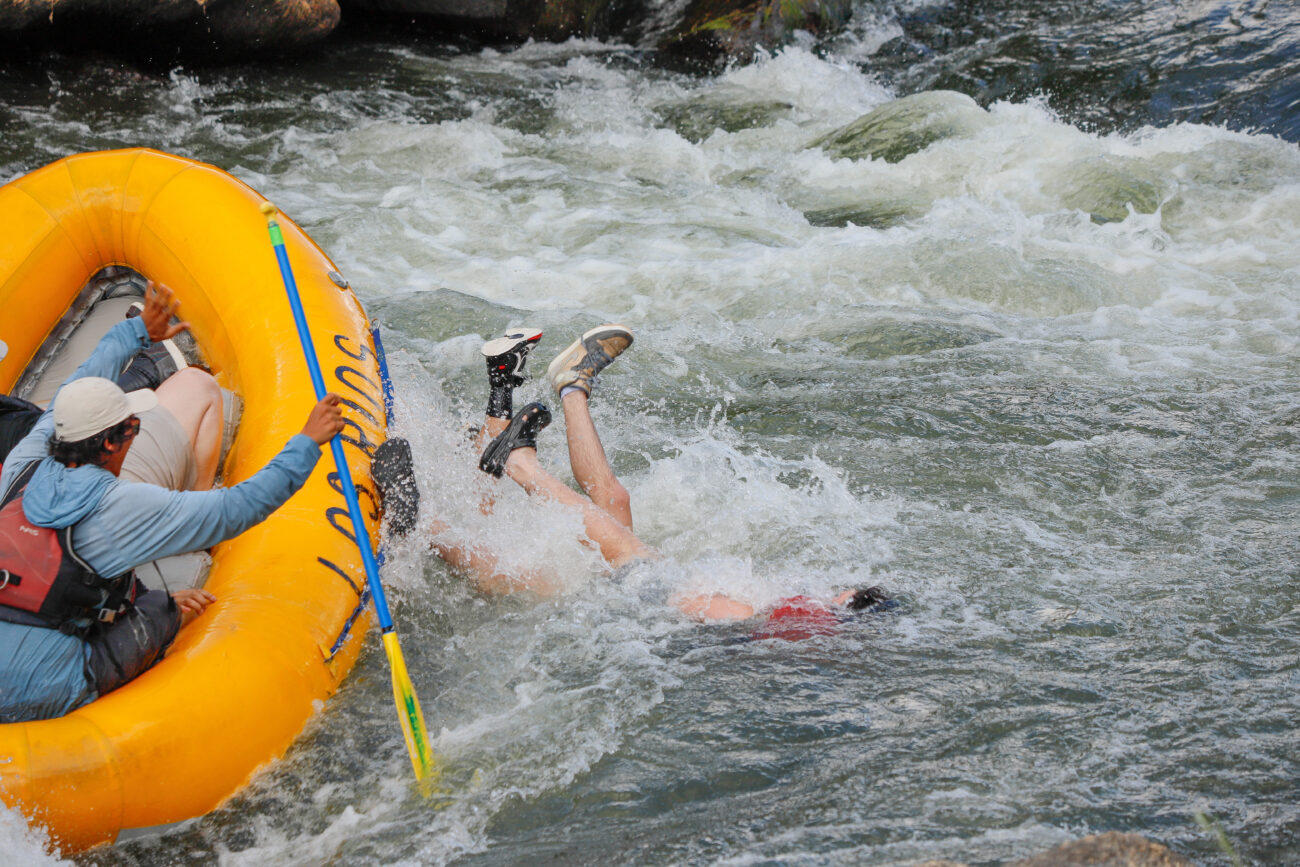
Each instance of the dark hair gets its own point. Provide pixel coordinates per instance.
(866, 597)
(91, 449)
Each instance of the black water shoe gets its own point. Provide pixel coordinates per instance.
(507, 355)
(521, 434)
(394, 473)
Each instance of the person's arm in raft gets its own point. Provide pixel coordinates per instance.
(110, 357)
(138, 522)
(116, 348)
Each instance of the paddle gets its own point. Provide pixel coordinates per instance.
(393, 467)
(408, 706)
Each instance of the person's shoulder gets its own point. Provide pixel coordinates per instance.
(136, 499)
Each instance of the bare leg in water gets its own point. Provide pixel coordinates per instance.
(607, 532)
(587, 460)
(616, 541)
(605, 508)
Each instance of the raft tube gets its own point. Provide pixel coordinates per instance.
(241, 681)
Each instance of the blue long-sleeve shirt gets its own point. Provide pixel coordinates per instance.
(118, 526)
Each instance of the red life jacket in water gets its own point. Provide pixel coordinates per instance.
(42, 580)
(797, 618)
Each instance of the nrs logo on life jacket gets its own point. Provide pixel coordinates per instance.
(42, 580)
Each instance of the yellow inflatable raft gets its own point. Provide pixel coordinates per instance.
(240, 682)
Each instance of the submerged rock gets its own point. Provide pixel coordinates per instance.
(905, 126)
(695, 121)
(879, 214)
(1112, 849)
(1107, 186)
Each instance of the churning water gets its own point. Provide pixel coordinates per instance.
(1035, 377)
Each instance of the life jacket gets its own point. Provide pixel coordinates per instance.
(43, 582)
(797, 618)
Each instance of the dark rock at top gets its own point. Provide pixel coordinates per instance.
(494, 19)
(280, 24)
(715, 33)
(158, 29)
(709, 35)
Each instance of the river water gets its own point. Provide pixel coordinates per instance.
(1034, 374)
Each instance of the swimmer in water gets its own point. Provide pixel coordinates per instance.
(605, 506)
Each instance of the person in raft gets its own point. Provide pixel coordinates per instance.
(75, 623)
(148, 368)
(605, 505)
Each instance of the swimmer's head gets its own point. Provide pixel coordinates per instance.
(863, 598)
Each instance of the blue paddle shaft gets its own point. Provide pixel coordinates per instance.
(336, 444)
(383, 372)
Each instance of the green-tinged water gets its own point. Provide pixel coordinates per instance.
(1039, 382)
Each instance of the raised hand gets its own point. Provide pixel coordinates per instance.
(159, 305)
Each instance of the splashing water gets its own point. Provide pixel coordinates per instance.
(1036, 381)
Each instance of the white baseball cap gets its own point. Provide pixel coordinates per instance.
(87, 406)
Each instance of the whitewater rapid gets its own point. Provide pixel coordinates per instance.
(1037, 381)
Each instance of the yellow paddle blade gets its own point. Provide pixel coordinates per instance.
(408, 710)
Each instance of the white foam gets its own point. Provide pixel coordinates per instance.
(23, 843)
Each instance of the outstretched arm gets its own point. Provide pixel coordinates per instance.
(114, 350)
(140, 522)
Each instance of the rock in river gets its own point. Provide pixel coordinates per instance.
(155, 28)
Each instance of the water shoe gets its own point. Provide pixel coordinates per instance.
(521, 434)
(506, 356)
(587, 356)
(394, 475)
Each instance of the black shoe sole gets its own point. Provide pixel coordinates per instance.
(393, 470)
(522, 433)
